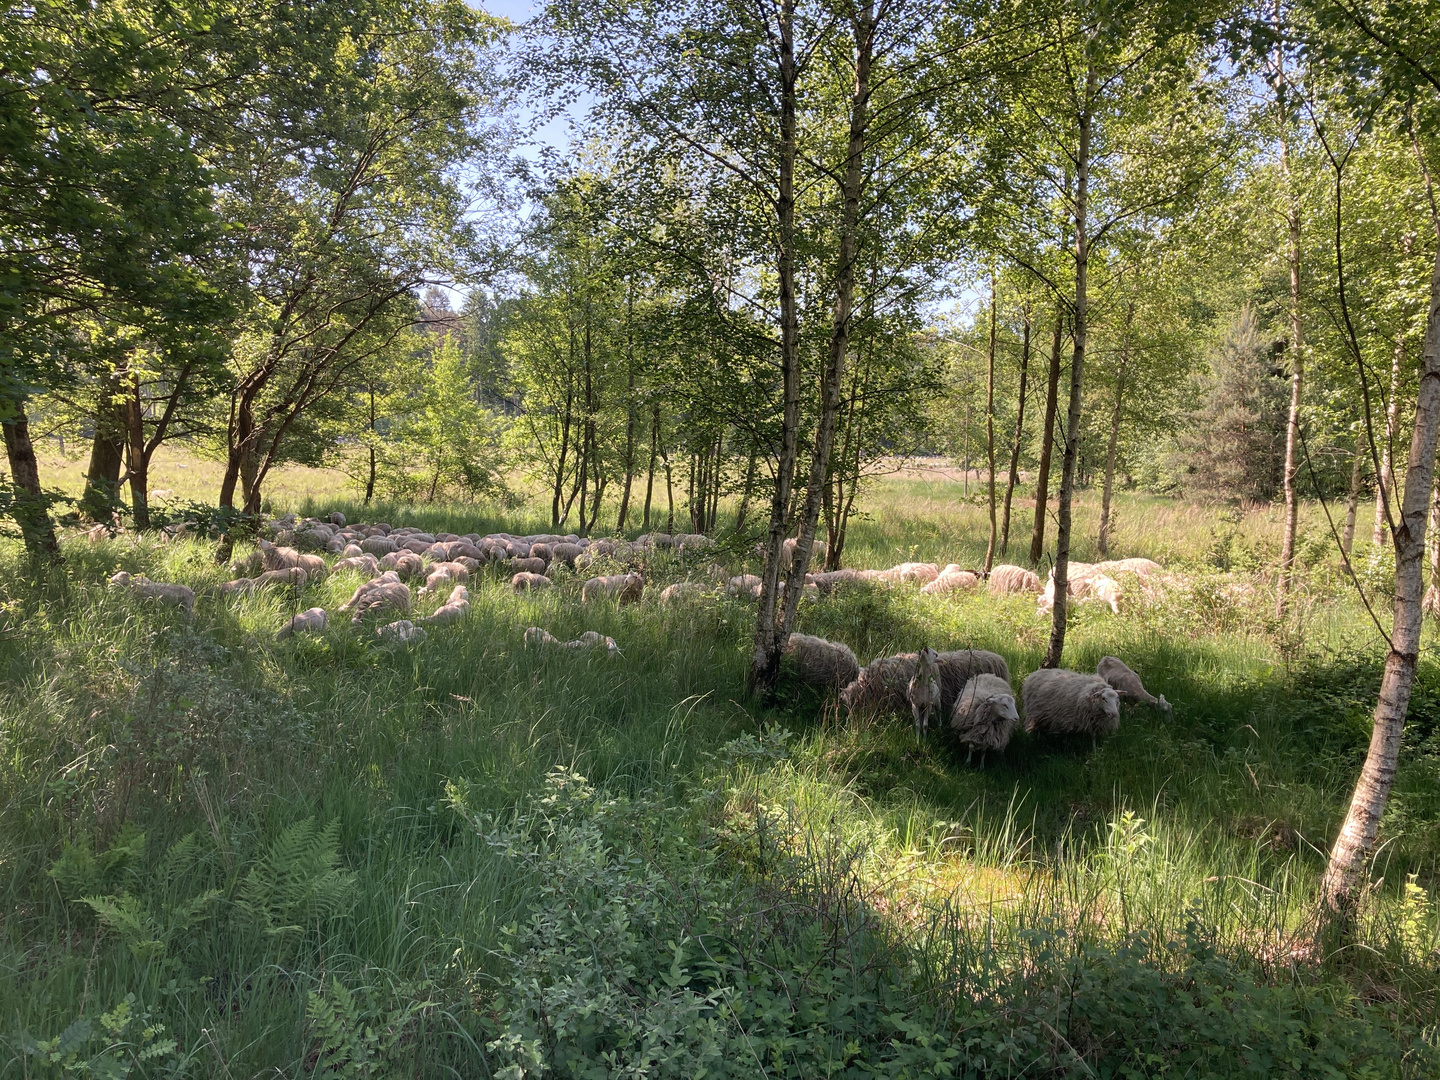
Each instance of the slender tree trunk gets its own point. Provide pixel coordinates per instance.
(1431, 605)
(107, 454)
(1014, 476)
(966, 470)
(1356, 842)
(30, 508)
(990, 425)
(1387, 452)
(650, 475)
(1115, 413)
(748, 490)
(630, 415)
(135, 452)
(669, 492)
(1352, 504)
(370, 476)
(769, 632)
(1047, 442)
(1297, 372)
(1056, 650)
(558, 490)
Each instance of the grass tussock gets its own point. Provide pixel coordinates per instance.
(223, 855)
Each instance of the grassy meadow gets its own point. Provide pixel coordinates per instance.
(223, 855)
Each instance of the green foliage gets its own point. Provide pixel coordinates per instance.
(360, 1033)
(297, 884)
(120, 1043)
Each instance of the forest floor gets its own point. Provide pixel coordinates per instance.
(224, 855)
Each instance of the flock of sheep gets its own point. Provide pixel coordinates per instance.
(967, 690)
(972, 688)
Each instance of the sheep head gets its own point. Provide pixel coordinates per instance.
(1005, 707)
(927, 659)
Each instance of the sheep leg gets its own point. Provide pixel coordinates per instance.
(982, 760)
(969, 753)
(1094, 744)
(915, 709)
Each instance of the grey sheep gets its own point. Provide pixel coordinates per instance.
(311, 621)
(1126, 683)
(366, 564)
(624, 588)
(830, 580)
(385, 591)
(1060, 702)
(818, 662)
(923, 691)
(406, 564)
(590, 639)
(680, 592)
(401, 632)
(182, 596)
(566, 553)
(984, 716)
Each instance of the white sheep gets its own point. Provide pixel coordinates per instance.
(883, 685)
(401, 632)
(818, 662)
(524, 582)
(294, 576)
(830, 580)
(623, 588)
(454, 609)
(1060, 702)
(406, 564)
(680, 592)
(744, 585)
(923, 691)
(1126, 683)
(282, 558)
(385, 591)
(181, 596)
(590, 639)
(1006, 579)
(984, 716)
(311, 621)
(951, 579)
(366, 564)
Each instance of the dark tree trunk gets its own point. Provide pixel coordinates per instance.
(1110, 451)
(139, 465)
(1352, 502)
(1047, 443)
(650, 474)
(107, 455)
(31, 509)
(630, 417)
(990, 426)
(1014, 476)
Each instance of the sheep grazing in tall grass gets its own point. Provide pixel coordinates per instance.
(984, 717)
(1007, 579)
(401, 632)
(294, 576)
(1060, 702)
(311, 621)
(1098, 581)
(366, 564)
(744, 585)
(688, 543)
(951, 579)
(1127, 684)
(386, 591)
(249, 566)
(681, 592)
(406, 564)
(883, 685)
(282, 558)
(828, 581)
(379, 545)
(923, 691)
(818, 662)
(181, 596)
(590, 639)
(453, 610)
(622, 588)
(526, 582)
(566, 553)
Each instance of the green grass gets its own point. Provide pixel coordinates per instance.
(844, 873)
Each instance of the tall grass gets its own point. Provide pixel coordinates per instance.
(166, 786)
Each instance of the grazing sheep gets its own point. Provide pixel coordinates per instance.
(565, 553)
(1126, 683)
(526, 565)
(818, 662)
(182, 596)
(624, 588)
(337, 518)
(526, 582)
(830, 580)
(1092, 579)
(401, 632)
(923, 691)
(680, 592)
(590, 639)
(385, 591)
(311, 621)
(687, 542)
(747, 585)
(1060, 702)
(882, 686)
(98, 533)
(959, 666)
(378, 545)
(366, 564)
(351, 551)
(951, 579)
(294, 576)
(1006, 579)
(249, 566)
(984, 716)
(536, 636)
(406, 564)
(1107, 590)
(541, 550)
(454, 609)
(791, 546)
(282, 558)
